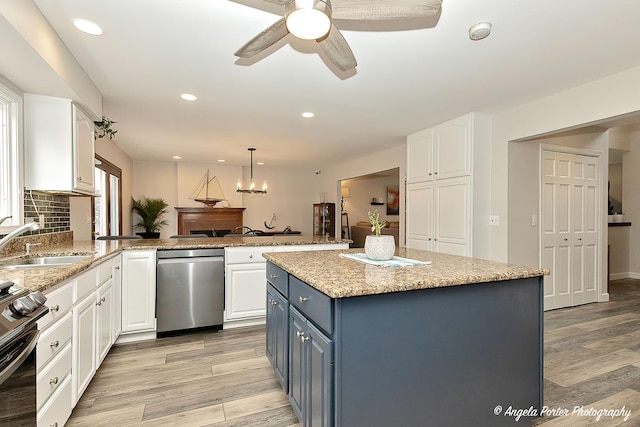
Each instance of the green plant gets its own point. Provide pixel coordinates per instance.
(150, 211)
(376, 224)
(104, 128)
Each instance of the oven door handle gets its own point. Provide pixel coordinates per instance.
(25, 349)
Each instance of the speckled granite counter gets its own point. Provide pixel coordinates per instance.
(42, 278)
(339, 277)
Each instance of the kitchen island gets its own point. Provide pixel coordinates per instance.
(440, 344)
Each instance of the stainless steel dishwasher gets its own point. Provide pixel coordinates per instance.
(190, 288)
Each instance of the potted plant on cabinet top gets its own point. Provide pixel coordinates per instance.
(150, 211)
(378, 247)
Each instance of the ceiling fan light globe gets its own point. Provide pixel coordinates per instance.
(308, 19)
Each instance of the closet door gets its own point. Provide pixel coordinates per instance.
(569, 228)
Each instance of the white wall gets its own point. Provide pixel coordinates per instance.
(608, 97)
(631, 202)
(155, 179)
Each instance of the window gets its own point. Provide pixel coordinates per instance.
(107, 212)
(10, 178)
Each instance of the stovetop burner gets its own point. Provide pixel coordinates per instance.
(18, 309)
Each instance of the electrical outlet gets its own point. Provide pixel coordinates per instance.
(41, 221)
(494, 220)
(534, 220)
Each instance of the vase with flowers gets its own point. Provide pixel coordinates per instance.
(379, 247)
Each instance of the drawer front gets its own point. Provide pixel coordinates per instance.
(278, 278)
(59, 301)
(53, 340)
(246, 255)
(84, 284)
(104, 271)
(57, 410)
(52, 377)
(315, 305)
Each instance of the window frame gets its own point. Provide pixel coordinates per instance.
(11, 159)
(110, 169)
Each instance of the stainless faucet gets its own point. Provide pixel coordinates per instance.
(30, 226)
(5, 218)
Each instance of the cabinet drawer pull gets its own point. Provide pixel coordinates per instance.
(117, 267)
(299, 334)
(54, 308)
(103, 299)
(304, 339)
(54, 344)
(54, 424)
(53, 381)
(274, 276)
(99, 303)
(273, 302)
(303, 299)
(250, 256)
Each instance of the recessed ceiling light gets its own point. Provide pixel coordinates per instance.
(307, 114)
(88, 27)
(221, 160)
(480, 31)
(176, 157)
(261, 163)
(188, 97)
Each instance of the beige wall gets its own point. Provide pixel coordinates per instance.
(368, 163)
(361, 191)
(290, 194)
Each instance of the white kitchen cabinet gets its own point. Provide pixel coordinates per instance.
(117, 297)
(245, 281)
(448, 187)
(105, 328)
(84, 344)
(59, 146)
(138, 292)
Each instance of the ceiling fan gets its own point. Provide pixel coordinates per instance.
(312, 20)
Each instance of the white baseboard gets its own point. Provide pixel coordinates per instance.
(626, 275)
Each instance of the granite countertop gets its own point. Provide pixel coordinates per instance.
(43, 278)
(340, 277)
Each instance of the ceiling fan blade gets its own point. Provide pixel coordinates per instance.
(373, 10)
(262, 41)
(337, 50)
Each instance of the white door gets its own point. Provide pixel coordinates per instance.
(569, 221)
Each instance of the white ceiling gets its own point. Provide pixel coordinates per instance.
(154, 50)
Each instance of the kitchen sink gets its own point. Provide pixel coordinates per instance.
(47, 261)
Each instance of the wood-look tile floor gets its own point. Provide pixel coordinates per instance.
(223, 379)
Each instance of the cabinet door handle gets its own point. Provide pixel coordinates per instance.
(99, 303)
(103, 299)
(435, 173)
(299, 334)
(250, 256)
(53, 381)
(303, 299)
(273, 276)
(430, 174)
(54, 424)
(54, 308)
(565, 239)
(117, 267)
(580, 238)
(54, 344)
(304, 339)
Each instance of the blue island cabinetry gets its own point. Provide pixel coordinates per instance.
(442, 356)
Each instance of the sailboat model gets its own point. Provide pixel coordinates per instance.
(208, 191)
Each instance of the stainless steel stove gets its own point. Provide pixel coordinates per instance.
(19, 313)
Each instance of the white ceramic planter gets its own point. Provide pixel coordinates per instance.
(618, 217)
(380, 248)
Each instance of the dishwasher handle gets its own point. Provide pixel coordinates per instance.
(164, 261)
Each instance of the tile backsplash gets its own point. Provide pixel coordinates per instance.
(55, 208)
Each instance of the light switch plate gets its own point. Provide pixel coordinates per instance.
(494, 220)
(534, 220)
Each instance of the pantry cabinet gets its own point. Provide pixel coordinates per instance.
(448, 187)
(59, 146)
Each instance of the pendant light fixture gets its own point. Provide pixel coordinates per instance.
(252, 186)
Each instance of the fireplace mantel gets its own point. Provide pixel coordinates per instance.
(208, 219)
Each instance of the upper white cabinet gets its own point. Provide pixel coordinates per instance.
(448, 187)
(440, 152)
(59, 146)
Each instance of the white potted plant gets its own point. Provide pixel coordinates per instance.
(379, 247)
